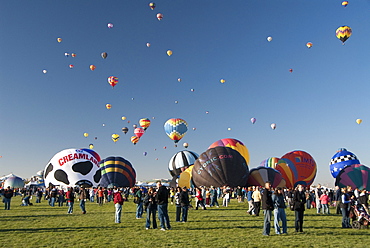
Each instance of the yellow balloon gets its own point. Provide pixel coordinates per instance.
(115, 137)
(123, 118)
(86, 135)
(59, 40)
(359, 121)
(91, 146)
(222, 81)
(108, 106)
(169, 52)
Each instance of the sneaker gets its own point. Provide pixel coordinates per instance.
(146, 228)
(162, 229)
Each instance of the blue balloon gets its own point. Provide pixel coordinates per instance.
(340, 160)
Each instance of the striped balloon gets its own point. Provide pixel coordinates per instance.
(112, 80)
(144, 123)
(117, 171)
(270, 162)
(355, 175)
(180, 161)
(343, 33)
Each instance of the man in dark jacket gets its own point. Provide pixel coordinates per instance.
(162, 202)
(184, 202)
(267, 206)
(7, 196)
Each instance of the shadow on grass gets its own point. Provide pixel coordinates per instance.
(60, 229)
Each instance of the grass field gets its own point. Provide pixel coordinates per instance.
(43, 226)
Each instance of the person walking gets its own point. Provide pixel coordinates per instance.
(151, 208)
(70, 196)
(199, 199)
(279, 211)
(7, 196)
(162, 201)
(267, 206)
(118, 202)
(184, 202)
(299, 200)
(83, 197)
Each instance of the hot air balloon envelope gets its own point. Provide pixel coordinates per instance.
(341, 159)
(181, 161)
(117, 171)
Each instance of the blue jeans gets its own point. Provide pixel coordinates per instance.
(185, 213)
(267, 222)
(151, 212)
(70, 207)
(163, 216)
(92, 198)
(139, 210)
(279, 215)
(52, 201)
(82, 205)
(345, 218)
(7, 203)
(325, 208)
(118, 212)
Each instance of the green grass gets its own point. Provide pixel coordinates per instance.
(44, 226)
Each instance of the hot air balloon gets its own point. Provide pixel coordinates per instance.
(270, 162)
(134, 139)
(181, 161)
(341, 159)
(288, 171)
(169, 52)
(144, 123)
(355, 175)
(139, 132)
(110, 25)
(59, 40)
(112, 80)
(344, 3)
(125, 130)
(159, 16)
(86, 135)
(145, 153)
(71, 66)
(185, 178)
(269, 38)
(273, 126)
(192, 90)
(104, 55)
(117, 172)
(253, 120)
(309, 44)
(66, 54)
(134, 126)
(14, 182)
(148, 44)
(185, 145)
(305, 166)
(72, 167)
(44, 71)
(108, 106)
(176, 102)
(152, 6)
(92, 67)
(358, 121)
(179, 80)
(123, 118)
(175, 128)
(343, 33)
(290, 70)
(73, 55)
(222, 81)
(260, 175)
(220, 166)
(115, 137)
(91, 146)
(234, 144)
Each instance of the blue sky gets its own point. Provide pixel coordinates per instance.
(314, 107)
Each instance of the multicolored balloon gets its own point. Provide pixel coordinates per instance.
(341, 159)
(112, 80)
(358, 121)
(180, 161)
(144, 123)
(169, 52)
(108, 106)
(260, 175)
(104, 55)
(139, 132)
(175, 129)
(253, 120)
(269, 39)
(117, 171)
(270, 162)
(134, 139)
(273, 126)
(159, 16)
(305, 166)
(343, 33)
(115, 137)
(235, 144)
(71, 66)
(110, 25)
(355, 175)
(125, 129)
(152, 6)
(309, 44)
(92, 67)
(220, 166)
(59, 40)
(288, 171)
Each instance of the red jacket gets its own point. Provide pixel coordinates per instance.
(118, 198)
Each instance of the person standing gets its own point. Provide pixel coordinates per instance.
(53, 196)
(177, 203)
(83, 197)
(279, 211)
(151, 208)
(162, 201)
(299, 200)
(7, 196)
(318, 193)
(184, 202)
(199, 199)
(267, 206)
(337, 199)
(250, 201)
(257, 197)
(226, 197)
(70, 199)
(118, 202)
(38, 195)
(345, 204)
(139, 203)
(214, 196)
(324, 199)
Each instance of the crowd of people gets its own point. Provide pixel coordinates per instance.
(155, 200)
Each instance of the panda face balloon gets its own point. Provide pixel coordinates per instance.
(73, 167)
